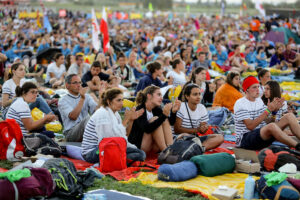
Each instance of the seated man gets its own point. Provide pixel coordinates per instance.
(79, 67)
(201, 61)
(94, 76)
(237, 60)
(75, 108)
(250, 115)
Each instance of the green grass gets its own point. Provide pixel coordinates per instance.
(143, 190)
(6, 164)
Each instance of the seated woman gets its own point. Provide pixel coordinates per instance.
(152, 78)
(207, 89)
(106, 122)
(56, 71)
(20, 110)
(277, 60)
(177, 73)
(264, 76)
(230, 92)
(104, 63)
(16, 78)
(192, 117)
(152, 130)
(272, 91)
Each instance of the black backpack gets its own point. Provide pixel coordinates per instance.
(40, 144)
(65, 177)
(182, 149)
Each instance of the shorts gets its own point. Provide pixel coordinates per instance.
(253, 141)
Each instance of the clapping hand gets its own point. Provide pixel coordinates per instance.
(83, 91)
(167, 109)
(102, 87)
(276, 104)
(176, 105)
(132, 114)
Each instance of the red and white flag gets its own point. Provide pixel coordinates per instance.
(95, 31)
(104, 31)
(260, 8)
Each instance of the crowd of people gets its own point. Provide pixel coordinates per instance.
(144, 56)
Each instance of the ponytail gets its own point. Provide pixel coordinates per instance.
(109, 95)
(141, 97)
(25, 88)
(175, 62)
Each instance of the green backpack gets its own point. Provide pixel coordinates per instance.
(64, 175)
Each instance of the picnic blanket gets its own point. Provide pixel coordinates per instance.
(201, 184)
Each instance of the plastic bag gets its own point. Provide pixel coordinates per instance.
(54, 126)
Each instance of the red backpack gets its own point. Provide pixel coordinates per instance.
(273, 157)
(11, 147)
(112, 154)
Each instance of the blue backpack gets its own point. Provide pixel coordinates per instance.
(282, 191)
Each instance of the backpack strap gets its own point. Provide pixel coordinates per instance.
(187, 110)
(277, 196)
(16, 191)
(199, 143)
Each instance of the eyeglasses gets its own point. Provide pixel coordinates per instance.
(76, 83)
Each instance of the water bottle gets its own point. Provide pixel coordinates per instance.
(249, 188)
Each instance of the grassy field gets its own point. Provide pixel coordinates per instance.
(133, 188)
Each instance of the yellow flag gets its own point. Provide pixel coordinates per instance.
(38, 22)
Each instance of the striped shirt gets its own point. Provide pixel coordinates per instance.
(197, 116)
(281, 111)
(90, 138)
(19, 110)
(9, 87)
(245, 109)
(102, 124)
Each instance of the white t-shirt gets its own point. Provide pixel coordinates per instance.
(74, 69)
(57, 71)
(178, 79)
(202, 89)
(245, 109)
(149, 115)
(197, 116)
(9, 87)
(18, 111)
(261, 90)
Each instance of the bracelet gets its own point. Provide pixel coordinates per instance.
(269, 112)
(266, 112)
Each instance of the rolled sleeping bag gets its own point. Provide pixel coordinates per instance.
(181, 171)
(214, 164)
